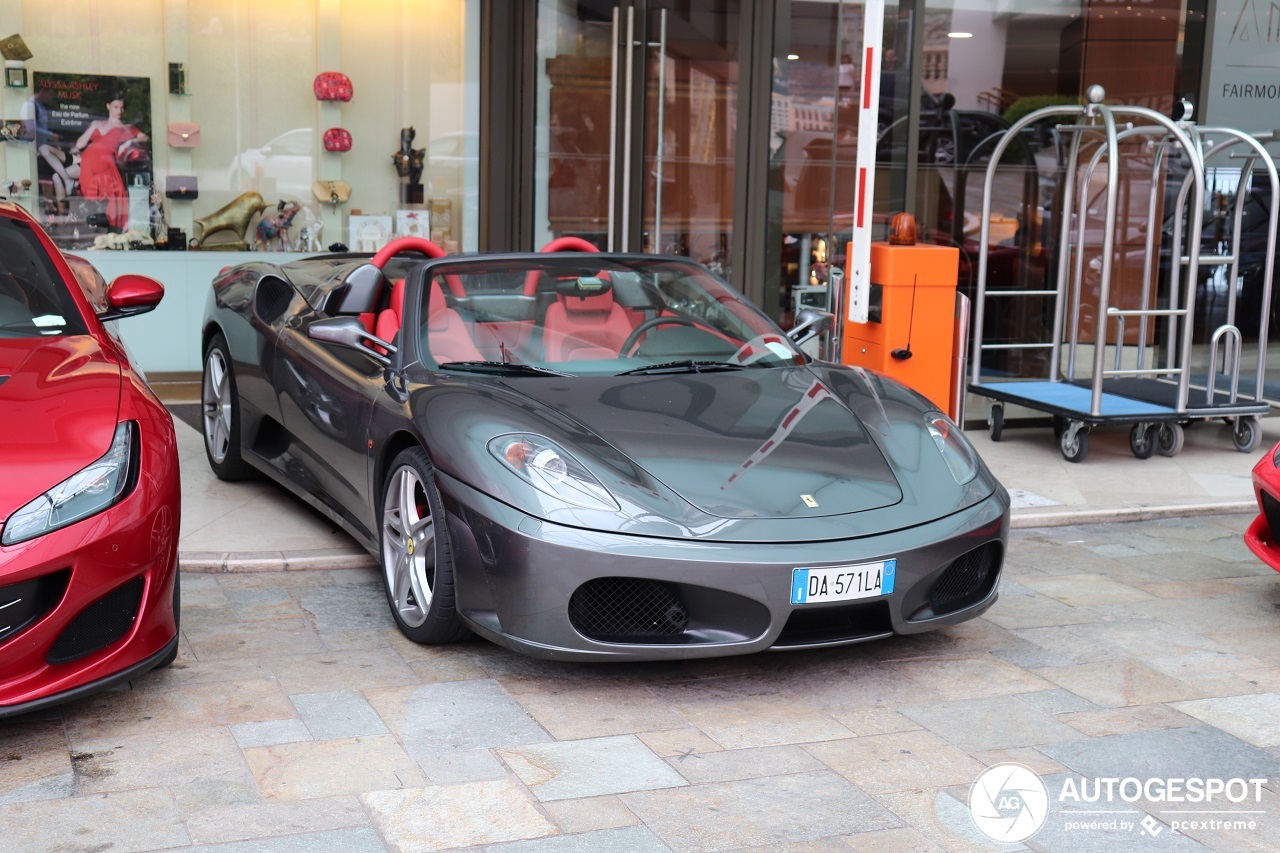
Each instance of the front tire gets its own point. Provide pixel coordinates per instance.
(220, 413)
(416, 556)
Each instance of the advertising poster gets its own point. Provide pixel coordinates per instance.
(94, 165)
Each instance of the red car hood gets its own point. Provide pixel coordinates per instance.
(59, 400)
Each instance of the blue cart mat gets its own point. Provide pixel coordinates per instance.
(1062, 395)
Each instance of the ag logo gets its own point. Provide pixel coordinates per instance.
(1008, 802)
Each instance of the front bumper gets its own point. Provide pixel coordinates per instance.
(1260, 536)
(106, 588)
(516, 575)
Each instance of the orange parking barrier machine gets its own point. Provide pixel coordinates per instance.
(911, 318)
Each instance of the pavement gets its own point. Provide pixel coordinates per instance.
(297, 718)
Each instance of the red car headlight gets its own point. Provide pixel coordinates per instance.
(87, 492)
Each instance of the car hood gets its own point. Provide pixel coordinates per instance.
(59, 401)
(759, 443)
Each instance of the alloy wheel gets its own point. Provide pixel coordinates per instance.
(215, 399)
(408, 546)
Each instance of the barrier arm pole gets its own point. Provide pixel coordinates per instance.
(859, 265)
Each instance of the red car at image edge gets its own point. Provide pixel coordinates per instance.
(89, 496)
(1260, 537)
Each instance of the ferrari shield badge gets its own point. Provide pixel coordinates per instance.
(809, 501)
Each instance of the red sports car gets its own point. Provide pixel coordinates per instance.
(1261, 536)
(88, 481)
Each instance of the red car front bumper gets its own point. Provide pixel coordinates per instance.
(105, 587)
(1260, 537)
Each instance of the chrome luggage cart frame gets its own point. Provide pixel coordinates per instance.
(1157, 399)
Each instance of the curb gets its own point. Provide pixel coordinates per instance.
(231, 562)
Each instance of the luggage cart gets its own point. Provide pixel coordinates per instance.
(1154, 400)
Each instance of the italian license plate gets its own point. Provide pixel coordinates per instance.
(842, 583)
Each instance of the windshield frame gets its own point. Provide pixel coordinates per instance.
(701, 281)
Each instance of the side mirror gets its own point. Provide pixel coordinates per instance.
(810, 322)
(350, 332)
(130, 295)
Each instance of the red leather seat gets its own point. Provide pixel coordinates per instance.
(447, 335)
(585, 327)
(391, 317)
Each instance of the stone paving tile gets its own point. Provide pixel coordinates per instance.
(1076, 643)
(253, 639)
(751, 715)
(1126, 720)
(1087, 590)
(734, 815)
(1262, 643)
(354, 840)
(903, 840)
(270, 733)
(941, 818)
(686, 741)
(1028, 757)
(156, 707)
(35, 761)
(874, 721)
(450, 766)
(635, 839)
(897, 761)
(1189, 589)
(571, 710)
(590, 814)
(456, 715)
(337, 714)
(734, 764)
(998, 722)
(569, 770)
(444, 817)
(221, 823)
(354, 669)
(840, 685)
(1260, 837)
(1033, 611)
(159, 760)
(355, 606)
(972, 678)
(1255, 719)
(312, 769)
(189, 670)
(121, 822)
(1200, 751)
(262, 603)
(1031, 656)
(1116, 683)
(1056, 701)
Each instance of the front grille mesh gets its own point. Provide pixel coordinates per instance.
(1271, 509)
(98, 625)
(621, 610)
(23, 604)
(967, 580)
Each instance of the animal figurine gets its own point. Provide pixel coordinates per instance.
(234, 217)
(309, 237)
(277, 227)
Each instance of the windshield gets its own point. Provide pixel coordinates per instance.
(34, 301)
(588, 314)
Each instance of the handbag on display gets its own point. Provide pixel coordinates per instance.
(181, 187)
(331, 192)
(337, 139)
(184, 134)
(332, 86)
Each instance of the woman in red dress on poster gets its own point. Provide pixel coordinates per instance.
(103, 142)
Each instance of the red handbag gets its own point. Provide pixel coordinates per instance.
(332, 86)
(337, 139)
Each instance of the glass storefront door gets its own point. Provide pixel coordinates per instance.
(636, 125)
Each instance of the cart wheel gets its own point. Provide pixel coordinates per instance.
(1059, 427)
(1143, 439)
(1075, 443)
(1171, 439)
(995, 420)
(1246, 435)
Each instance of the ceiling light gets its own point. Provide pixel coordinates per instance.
(793, 56)
(959, 35)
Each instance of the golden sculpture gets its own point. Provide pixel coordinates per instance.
(233, 217)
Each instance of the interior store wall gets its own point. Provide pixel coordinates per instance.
(250, 67)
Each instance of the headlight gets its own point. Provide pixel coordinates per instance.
(542, 464)
(89, 491)
(1275, 456)
(954, 448)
